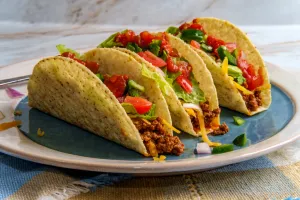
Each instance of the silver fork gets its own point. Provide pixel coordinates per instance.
(9, 81)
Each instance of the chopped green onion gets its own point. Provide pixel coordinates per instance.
(240, 140)
(222, 148)
(164, 55)
(223, 52)
(238, 120)
(192, 34)
(137, 48)
(206, 47)
(235, 53)
(133, 84)
(130, 47)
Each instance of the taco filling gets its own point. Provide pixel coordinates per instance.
(243, 74)
(156, 49)
(142, 112)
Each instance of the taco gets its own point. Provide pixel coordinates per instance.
(237, 68)
(112, 101)
(182, 76)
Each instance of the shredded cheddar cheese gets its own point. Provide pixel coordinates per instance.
(146, 121)
(160, 158)
(190, 112)
(8, 125)
(265, 87)
(225, 66)
(203, 132)
(241, 88)
(40, 133)
(170, 126)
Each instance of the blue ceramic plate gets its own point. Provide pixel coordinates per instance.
(65, 145)
(65, 137)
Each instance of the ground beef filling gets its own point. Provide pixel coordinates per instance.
(208, 118)
(223, 128)
(253, 101)
(156, 139)
(209, 115)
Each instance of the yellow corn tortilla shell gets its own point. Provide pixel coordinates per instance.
(228, 94)
(69, 91)
(179, 116)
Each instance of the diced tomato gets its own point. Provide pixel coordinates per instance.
(195, 44)
(230, 46)
(214, 42)
(165, 45)
(250, 70)
(126, 37)
(253, 80)
(158, 36)
(116, 84)
(146, 38)
(184, 26)
(153, 59)
(197, 27)
(256, 81)
(184, 68)
(93, 66)
(80, 61)
(129, 35)
(137, 40)
(196, 21)
(185, 83)
(120, 38)
(141, 105)
(171, 66)
(68, 55)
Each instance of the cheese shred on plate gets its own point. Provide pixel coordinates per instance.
(203, 132)
(160, 158)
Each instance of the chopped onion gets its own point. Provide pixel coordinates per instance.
(12, 93)
(191, 105)
(203, 148)
(2, 116)
(160, 72)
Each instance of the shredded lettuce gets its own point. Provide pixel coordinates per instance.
(171, 77)
(110, 42)
(133, 47)
(62, 49)
(100, 76)
(154, 47)
(163, 85)
(196, 96)
(172, 30)
(130, 110)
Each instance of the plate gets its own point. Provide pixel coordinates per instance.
(68, 146)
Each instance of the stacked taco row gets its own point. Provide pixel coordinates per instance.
(136, 89)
